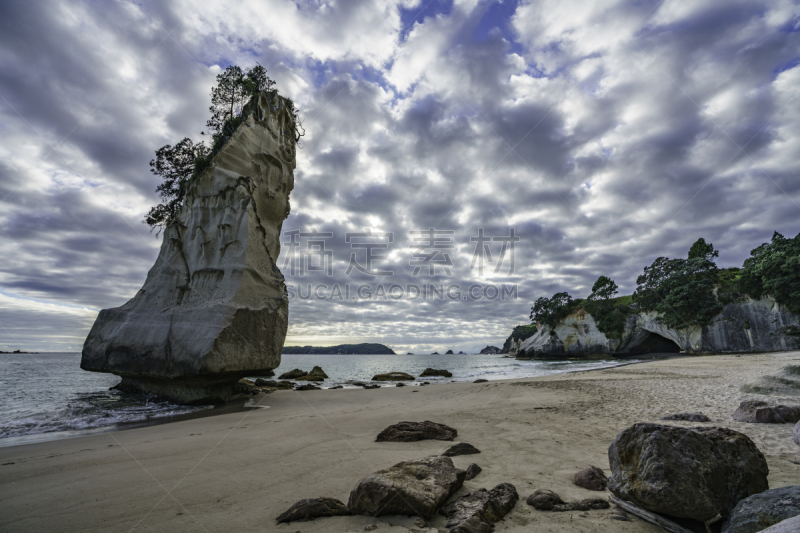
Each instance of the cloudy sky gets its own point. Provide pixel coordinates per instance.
(604, 133)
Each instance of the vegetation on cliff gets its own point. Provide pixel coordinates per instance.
(364, 348)
(180, 164)
(686, 292)
(520, 333)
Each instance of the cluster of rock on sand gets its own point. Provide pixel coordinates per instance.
(317, 376)
(711, 478)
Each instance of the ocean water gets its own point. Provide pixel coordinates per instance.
(47, 396)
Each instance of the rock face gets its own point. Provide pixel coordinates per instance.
(699, 473)
(790, 525)
(477, 511)
(688, 417)
(415, 488)
(214, 307)
(393, 376)
(753, 326)
(414, 431)
(759, 412)
(591, 478)
(760, 511)
(312, 508)
(462, 448)
(431, 372)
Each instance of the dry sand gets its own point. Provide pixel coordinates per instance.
(238, 471)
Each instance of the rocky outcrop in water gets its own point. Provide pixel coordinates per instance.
(752, 326)
(214, 306)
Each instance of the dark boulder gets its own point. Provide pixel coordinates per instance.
(394, 376)
(760, 511)
(316, 374)
(699, 473)
(462, 448)
(477, 511)
(273, 384)
(372, 386)
(790, 525)
(312, 508)
(431, 372)
(688, 417)
(591, 478)
(481, 381)
(307, 386)
(414, 431)
(400, 384)
(547, 500)
(472, 471)
(292, 374)
(759, 412)
(415, 488)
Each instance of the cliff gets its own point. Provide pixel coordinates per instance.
(755, 325)
(517, 337)
(214, 307)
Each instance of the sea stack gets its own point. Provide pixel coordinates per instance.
(214, 306)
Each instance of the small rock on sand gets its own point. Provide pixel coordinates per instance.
(591, 478)
(481, 381)
(547, 500)
(462, 448)
(688, 417)
(472, 471)
(760, 412)
(312, 508)
(477, 511)
(414, 431)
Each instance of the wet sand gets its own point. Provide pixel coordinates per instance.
(237, 471)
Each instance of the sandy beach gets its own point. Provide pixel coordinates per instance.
(238, 471)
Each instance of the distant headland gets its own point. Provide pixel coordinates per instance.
(364, 348)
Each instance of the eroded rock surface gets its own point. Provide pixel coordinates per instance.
(477, 511)
(760, 511)
(699, 473)
(214, 307)
(591, 478)
(415, 488)
(312, 508)
(414, 431)
(759, 412)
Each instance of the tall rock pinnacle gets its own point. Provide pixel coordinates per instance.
(214, 307)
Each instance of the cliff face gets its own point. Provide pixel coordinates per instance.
(753, 326)
(214, 307)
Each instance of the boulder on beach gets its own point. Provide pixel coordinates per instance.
(316, 374)
(462, 448)
(431, 372)
(472, 471)
(393, 376)
(307, 386)
(312, 508)
(760, 412)
(760, 511)
(414, 431)
(477, 511)
(688, 417)
(699, 473)
(481, 381)
(214, 307)
(400, 384)
(591, 478)
(415, 488)
(293, 374)
(273, 384)
(547, 500)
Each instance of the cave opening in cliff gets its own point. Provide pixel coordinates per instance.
(655, 343)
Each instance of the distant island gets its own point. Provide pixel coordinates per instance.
(19, 351)
(365, 348)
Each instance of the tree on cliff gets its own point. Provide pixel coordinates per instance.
(175, 164)
(702, 250)
(610, 318)
(179, 164)
(550, 311)
(774, 268)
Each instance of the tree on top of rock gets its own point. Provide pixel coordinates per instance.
(234, 89)
(702, 250)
